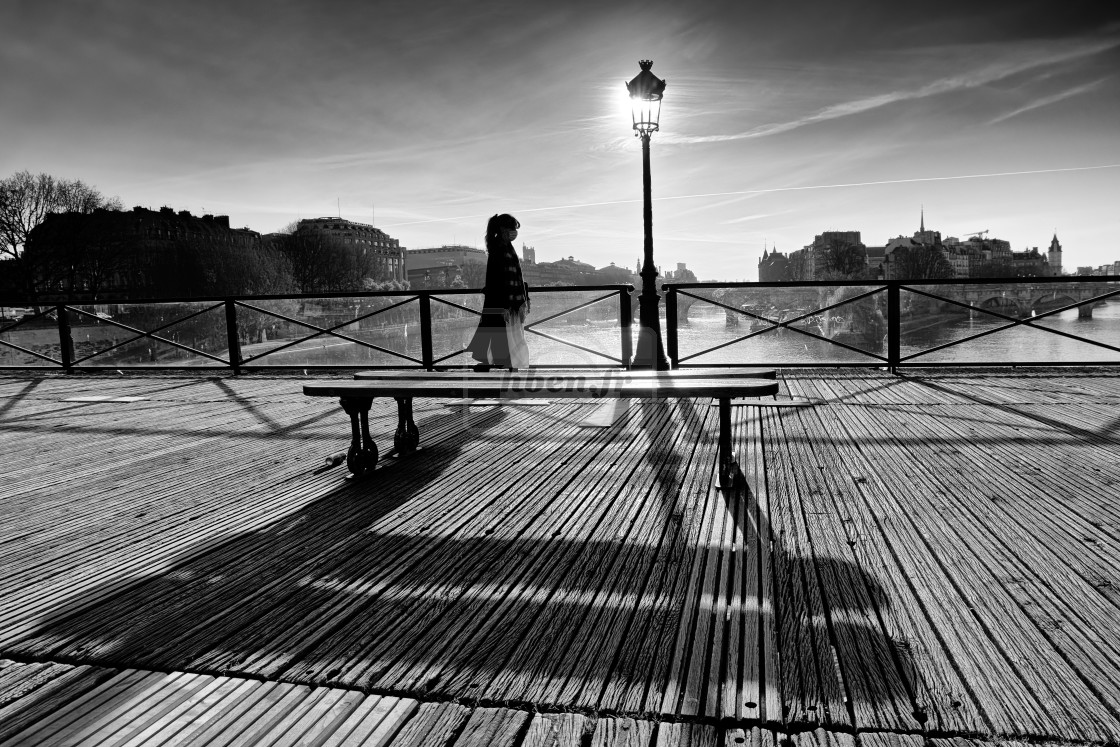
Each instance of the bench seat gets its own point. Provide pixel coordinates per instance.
(613, 374)
(356, 398)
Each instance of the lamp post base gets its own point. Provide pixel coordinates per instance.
(650, 353)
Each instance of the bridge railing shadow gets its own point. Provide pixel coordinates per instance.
(494, 596)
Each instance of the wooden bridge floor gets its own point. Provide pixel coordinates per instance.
(922, 560)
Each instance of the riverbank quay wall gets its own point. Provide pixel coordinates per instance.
(926, 560)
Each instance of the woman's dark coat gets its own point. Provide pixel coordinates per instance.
(504, 293)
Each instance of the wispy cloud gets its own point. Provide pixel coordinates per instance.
(745, 218)
(769, 190)
(984, 75)
(1048, 100)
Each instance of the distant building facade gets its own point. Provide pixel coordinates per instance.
(1112, 268)
(437, 267)
(813, 261)
(613, 274)
(113, 252)
(680, 275)
(387, 253)
(976, 256)
(568, 271)
(774, 267)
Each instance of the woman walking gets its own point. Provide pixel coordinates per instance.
(500, 337)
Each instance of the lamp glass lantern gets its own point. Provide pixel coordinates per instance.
(646, 91)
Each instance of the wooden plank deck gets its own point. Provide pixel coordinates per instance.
(927, 560)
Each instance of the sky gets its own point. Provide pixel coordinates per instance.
(780, 120)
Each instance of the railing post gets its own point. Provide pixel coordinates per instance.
(671, 324)
(626, 319)
(231, 336)
(65, 338)
(894, 326)
(426, 330)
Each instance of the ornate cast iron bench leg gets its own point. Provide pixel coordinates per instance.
(407, 438)
(729, 473)
(362, 455)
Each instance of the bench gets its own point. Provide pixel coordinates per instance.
(356, 397)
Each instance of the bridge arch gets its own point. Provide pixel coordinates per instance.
(998, 302)
(1052, 300)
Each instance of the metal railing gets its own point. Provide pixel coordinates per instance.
(876, 329)
(1008, 304)
(228, 333)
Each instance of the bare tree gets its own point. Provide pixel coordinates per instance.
(844, 261)
(322, 263)
(474, 274)
(25, 201)
(922, 262)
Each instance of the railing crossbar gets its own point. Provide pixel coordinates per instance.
(293, 320)
(150, 334)
(569, 311)
(325, 331)
(786, 325)
(457, 306)
(1012, 322)
(572, 344)
(29, 352)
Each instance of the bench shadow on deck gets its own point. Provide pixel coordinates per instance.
(522, 563)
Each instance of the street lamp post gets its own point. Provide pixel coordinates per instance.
(646, 90)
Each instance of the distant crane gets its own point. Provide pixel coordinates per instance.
(977, 233)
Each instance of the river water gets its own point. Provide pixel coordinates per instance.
(1022, 344)
(707, 328)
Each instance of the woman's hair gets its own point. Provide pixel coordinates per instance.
(494, 228)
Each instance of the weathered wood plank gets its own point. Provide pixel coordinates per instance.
(882, 739)
(622, 732)
(1025, 644)
(496, 727)
(431, 725)
(1005, 698)
(811, 688)
(666, 689)
(272, 724)
(642, 672)
(824, 738)
(915, 482)
(43, 699)
(367, 571)
(555, 730)
(658, 491)
(58, 724)
(769, 677)
(878, 694)
(533, 643)
(382, 724)
(941, 699)
(202, 710)
(686, 735)
(492, 533)
(147, 711)
(736, 736)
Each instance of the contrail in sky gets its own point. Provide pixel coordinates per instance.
(773, 189)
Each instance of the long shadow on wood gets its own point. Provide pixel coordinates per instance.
(13, 400)
(457, 597)
(1106, 434)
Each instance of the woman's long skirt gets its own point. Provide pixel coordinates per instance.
(500, 339)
